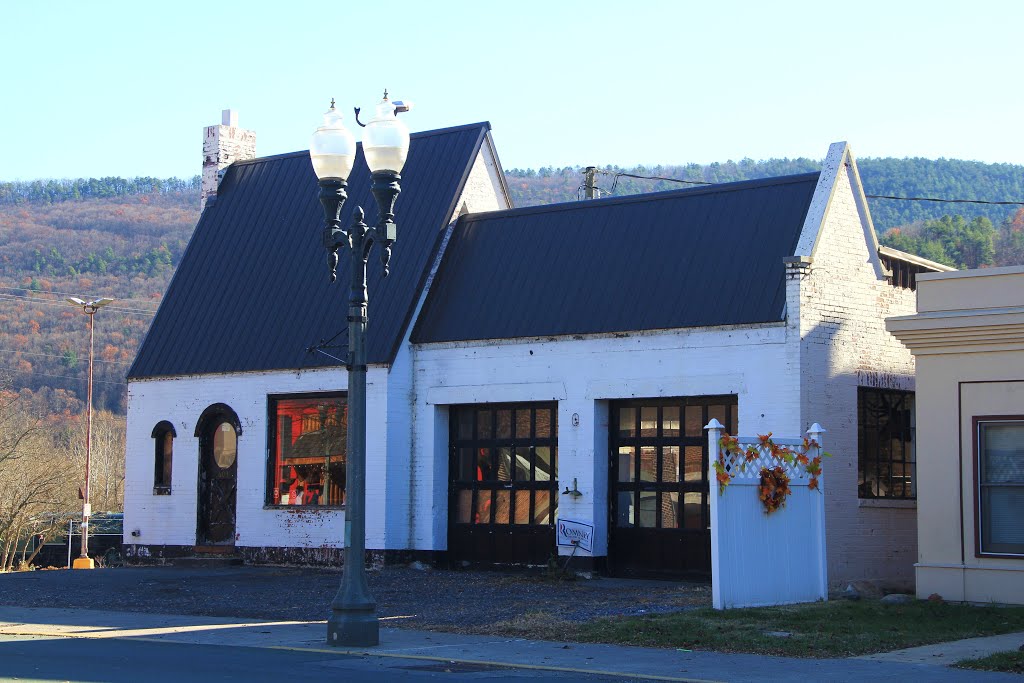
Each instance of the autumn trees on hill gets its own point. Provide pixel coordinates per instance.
(42, 465)
(125, 247)
(123, 238)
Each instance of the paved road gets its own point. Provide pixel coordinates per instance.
(38, 658)
(261, 623)
(465, 601)
(48, 643)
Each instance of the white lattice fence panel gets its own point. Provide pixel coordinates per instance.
(759, 558)
(741, 468)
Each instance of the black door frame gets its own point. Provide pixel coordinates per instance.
(659, 550)
(211, 419)
(490, 541)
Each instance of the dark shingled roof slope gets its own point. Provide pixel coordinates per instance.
(252, 291)
(687, 258)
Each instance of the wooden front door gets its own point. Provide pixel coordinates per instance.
(503, 483)
(658, 485)
(218, 482)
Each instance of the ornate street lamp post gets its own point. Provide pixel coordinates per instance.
(353, 618)
(83, 561)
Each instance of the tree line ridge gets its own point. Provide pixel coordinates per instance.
(124, 237)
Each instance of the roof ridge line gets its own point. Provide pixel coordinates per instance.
(715, 188)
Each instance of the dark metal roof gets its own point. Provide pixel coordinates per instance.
(252, 291)
(687, 258)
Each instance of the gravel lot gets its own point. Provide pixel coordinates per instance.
(459, 601)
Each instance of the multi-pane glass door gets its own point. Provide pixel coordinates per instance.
(658, 480)
(503, 482)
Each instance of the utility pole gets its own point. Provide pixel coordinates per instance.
(592, 191)
(83, 561)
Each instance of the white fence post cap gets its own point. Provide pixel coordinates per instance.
(816, 429)
(714, 424)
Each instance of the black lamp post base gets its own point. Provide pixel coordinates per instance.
(353, 627)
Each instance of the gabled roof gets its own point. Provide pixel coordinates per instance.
(252, 291)
(687, 258)
(899, 267)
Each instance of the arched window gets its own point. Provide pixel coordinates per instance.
(163, 441)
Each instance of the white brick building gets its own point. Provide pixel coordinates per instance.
(526, 366)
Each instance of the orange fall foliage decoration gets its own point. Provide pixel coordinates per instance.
(774, 487)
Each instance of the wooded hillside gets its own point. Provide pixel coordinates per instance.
(941, 178)
(124, 246)
(123, 238)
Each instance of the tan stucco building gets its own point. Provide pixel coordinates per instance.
(968, 339)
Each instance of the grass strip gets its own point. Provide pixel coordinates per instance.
(831, 629)
(1013, 662)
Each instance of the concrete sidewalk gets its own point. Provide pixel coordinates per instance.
(945, 654)
(618, 662)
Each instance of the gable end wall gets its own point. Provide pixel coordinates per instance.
(843, 345)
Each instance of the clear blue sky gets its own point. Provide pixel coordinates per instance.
(125, 88)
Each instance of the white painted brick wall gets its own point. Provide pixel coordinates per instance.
(171, 520)
(843, 304)
(483, 188)
(223, 145)
(836, 341)
(583, 374)
(482, 192)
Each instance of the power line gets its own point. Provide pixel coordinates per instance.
(947, 201)
(50, 291)
(616, 175)
(655, 177)
(63, 304)
(56, 355)
(77, 379)
(56, 302)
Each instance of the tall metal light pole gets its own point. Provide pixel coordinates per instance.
(83, 561)
(353, 619)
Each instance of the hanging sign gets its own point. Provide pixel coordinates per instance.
(577, 534)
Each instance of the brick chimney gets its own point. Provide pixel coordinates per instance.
(222, 146)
